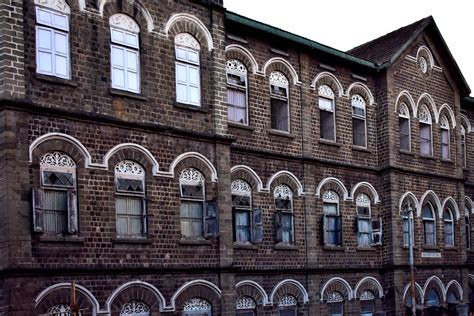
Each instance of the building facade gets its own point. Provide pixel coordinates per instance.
(175, 158)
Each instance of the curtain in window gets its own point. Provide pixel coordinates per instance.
(279, 109)
(55, 212)
(236, 110)
(191, 218)
(425, 139)
(242, 222)
(404, 133)
(445, 144)
(129, 215)
(327, 125)
(364, 231)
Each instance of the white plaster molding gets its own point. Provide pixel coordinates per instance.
(143, 150)
(457, 286)
(466, 122)
(297, 182)
(183, 288)
(136, 283)
(369, 186)
(56, 5)
(437, 280)
(363, 87)
(411, 102)
(411, 196)
(430, 102)
(191, 154)
(451, 200)
(336, 181)
(258, 287)
(350, 293)
(314, 82)
(468, 200)
(124, 22)
(297, 284)
(283, 61)
(246, 53)
(451, 114)
(192, 19)
(369, 280)
(252, 173)
(423, 48)
(146, 14)
(417, 287)
(425, 197)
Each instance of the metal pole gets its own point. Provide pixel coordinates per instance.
(411, 261)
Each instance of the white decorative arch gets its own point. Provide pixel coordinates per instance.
(283, 61)
(57, 5)
(437, 280)
(456, 285)
(191, 19)
(252, 173)
(343, 282)
(258, 287)
(410, 99)
(137, 147)
(411, 196)
(423, 199)
(451, 114)
(65, 137)
(417, 287)
(323, 74)
(289, 174)
(428, 53)
(244, 51)
(372, 280)
(469, 201)
(67, 285)
(467, 123)
(292, 282)
(336, 181)
(183, 288)
(431, 103)
(144, 11)
(136, 283)
(369, 186)
(363, 87)
(451, 200)
(192, 154)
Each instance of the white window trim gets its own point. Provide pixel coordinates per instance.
(358, 117)
(366, 217)
(278, 79)
(290, 196)
(428, 122)
(328, 96)
(236, 87)
(187, 42)
(444, 126)
(407, 117)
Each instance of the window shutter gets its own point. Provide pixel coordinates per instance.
(377, 231)
(211, 224)
(72, 212)
(323, 230)
(144, 218)
(339, 230)
(38, 209)
(278, 227)
(257, 225)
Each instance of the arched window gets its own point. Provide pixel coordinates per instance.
(327, 113)
(332, 220)
(363, 220)
(404, 126)
(237, 111)
(55, 205)
(242, 208)
(367, 303)
(135, 308)
(60, 310)
(280, 110)
(287, 306)
(188, 73)
(130, 205)
(359, 134)
(448, 228)
(283, 214)
(336, 304)
(125, 53)
(197, 307)
(429, 225)
(245, 306)
(192, 185)
(432, 298)
(52, 40)
(444, 125)
(426, 139)
(463, 147)
(407, 214)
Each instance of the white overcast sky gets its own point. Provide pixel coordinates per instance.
(344, 24)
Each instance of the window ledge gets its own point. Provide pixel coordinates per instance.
(194, 242)
(447, 161)
(366, 248)
(137, 240)
(329, 143)
(247, 246)
(63, 239)
(361, 149)
(427, 157)
(127, 94)
(426, 247)
(285, 246)
(407, 248)
(191, 107)
(451, 248)
(241, 126)
(56, 80)
(280, 133)
(406, 152)
(334, 248)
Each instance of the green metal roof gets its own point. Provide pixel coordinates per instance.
(236, 18)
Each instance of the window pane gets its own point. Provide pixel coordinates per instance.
(193, 56)
(118, 77)
(279, 112)
(55, 210)
(404, 133)
(358, 132)
(44, 17)
(425, 139)
(242, 224)
(180, 53)
(194, 95)
(45, 62)
(325, 104)
(181, 73)
(181, 93)
(60, 21)
(330, 208)
(132, 60)
(132, 81)
(327, 125)
(131, 39)
(117, 36)
(60, 41)
(335, 309)
(193, 76)
(118, 56)
(44, 38)
(61, 66)
(129, 205)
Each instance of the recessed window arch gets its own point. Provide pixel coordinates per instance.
(192, 188)
(245, 306)
(335, 302)
(332, 219)
(426, 136)
(359, 121)
(287, 306)
(429, 224)
(448, 228)
(135, 308)
(364, 223)
(197, 307)
(247, 220)
(404, 127)
(327, 110)
(283, 197)
(279, 99)
(52, 41)
(237, 91)
(125, 53)
(444, 126)
(463, 147)
(188, 72)
(367, 303)
(130, 199)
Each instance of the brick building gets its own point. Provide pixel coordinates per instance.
(174, 158)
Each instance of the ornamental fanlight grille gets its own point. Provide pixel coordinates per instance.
(443, 122)
(423, 64)
(330, 196)
(187, 40)
(282, 192)
(60, 310)
(424, 116)
(191, 176)
(335, 297)
(245, 303)
(403, 111)
(363, 199)
(135, 308)
(240, 187)
(367, 296)
(57, 159)
(196, 304)
(237, 67)
(325, 91)
(58, 5)
(358, 101)
(287, 300)
(124, 22)
(129, 168)
(278, 79)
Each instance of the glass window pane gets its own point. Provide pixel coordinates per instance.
(60, 21)
(131, 39)
(44, 17)
(194, 76)
(132, 60)
(327, 125)
(330, 208)
(117, 36)
(118, 56)
(325, 104)
(180, 53)
(181, 93)
(55, 210)
(132, 81)
(279, 114)
(193, 56)
(358, 132)
(45, 62)
(118, 77)
(61, 66)
(61, 43)
(194, 95)
(181, 73)
(44, 38)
